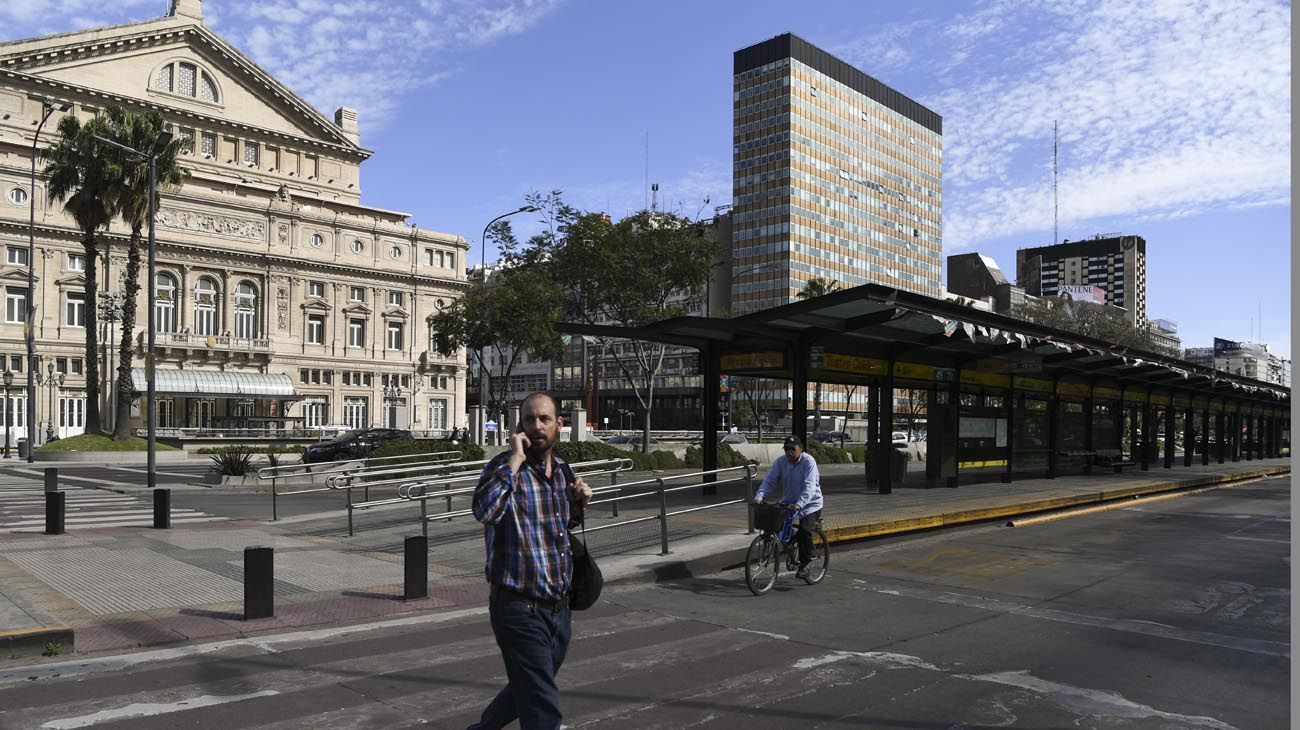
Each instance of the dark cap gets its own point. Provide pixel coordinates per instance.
(792, 441)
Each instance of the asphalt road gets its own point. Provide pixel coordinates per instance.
(1172, 613)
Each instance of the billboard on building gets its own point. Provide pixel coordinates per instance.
(1083, 293)
(1222, 346)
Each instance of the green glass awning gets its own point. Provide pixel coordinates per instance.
(216, 383)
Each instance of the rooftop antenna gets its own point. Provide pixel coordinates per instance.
(654, 196)
(647, 168)
(1056, 208)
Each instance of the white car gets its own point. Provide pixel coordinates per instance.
(900, 437)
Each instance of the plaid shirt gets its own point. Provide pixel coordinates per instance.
(526, 520)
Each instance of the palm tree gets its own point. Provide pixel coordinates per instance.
(817, 287)
(139, 132)
(81, 177)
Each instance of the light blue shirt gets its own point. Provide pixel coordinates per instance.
(800, 482)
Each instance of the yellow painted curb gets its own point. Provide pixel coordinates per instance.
(916, 524)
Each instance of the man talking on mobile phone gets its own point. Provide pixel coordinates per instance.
(523, 499)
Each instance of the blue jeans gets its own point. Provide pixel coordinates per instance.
(533, 642)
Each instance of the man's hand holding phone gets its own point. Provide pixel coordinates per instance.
(519, 444)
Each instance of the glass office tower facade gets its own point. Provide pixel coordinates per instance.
(835, 175)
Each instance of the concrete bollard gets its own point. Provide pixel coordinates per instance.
(415, 567)
(55, 505)
(51, 480)
(259, 583)
(162, 509)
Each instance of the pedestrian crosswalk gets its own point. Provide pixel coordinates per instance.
(22, 508)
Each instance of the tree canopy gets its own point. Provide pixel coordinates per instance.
(1085, 318)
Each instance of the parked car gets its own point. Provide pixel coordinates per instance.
(830, 436)
(630, 438)
(733, 438)
(357, 444)
(900, 439)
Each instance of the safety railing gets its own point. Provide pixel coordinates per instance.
(417, 490)
(733, 475)
(273, 474)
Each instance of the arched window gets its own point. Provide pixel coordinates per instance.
(205, 307)
(186, 79)
(164, 288)
(246, 310)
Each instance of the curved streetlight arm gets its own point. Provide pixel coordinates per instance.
(47, 108)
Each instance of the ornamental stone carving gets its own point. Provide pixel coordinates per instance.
(185, 220)
(282, 308)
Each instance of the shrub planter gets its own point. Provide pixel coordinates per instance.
(132, 458)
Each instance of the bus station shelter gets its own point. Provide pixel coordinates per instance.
(1006, 399)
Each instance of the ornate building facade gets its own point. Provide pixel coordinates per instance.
(281, 299)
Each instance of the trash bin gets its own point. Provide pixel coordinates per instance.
(898, 464)
(22, 448)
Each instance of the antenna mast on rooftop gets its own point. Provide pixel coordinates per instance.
(1056, 208)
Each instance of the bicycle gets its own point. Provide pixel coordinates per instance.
(763, 560)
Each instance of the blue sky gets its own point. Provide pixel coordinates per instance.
(1174, 114)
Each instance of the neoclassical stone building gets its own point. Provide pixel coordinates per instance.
(282, 300)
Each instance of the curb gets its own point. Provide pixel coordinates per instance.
(31, 642)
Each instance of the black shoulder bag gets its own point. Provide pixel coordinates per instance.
(587, 580)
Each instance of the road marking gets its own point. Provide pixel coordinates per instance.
(1120, 504)
(1257, 539)
(148, 709)
(1146, 628)
(267, 643)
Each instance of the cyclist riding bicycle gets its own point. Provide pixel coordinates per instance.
(797, 477)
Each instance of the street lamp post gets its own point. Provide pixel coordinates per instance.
(110, 310)
(151, 395)
(29, 322)
(54, 384)
(9, 380)
(482, 262)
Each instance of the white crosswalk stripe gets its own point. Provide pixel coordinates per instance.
(22, 509)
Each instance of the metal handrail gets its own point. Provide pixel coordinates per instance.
(405, 485)
(273, 473)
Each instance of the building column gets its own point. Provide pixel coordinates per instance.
(1134, 443)
(1189, 433)
(711, 376)
(1220, 435)
(886, 444)
(1009, 475)
(1205, 434)
(953, 431)
(873, 433)
(1053, 429)
(1147, 441)
(1087, 430)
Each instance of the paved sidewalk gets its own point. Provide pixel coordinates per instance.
(105, 588)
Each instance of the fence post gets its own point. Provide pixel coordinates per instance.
(55, 504)
(750, 471)
(415, 568)
(424, 513)
(275, 515)
(663, 517)
(259, 583)
(349, 510)
(613, 482)
(162, 509)
(447, 488)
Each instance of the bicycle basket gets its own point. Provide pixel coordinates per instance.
(769, 517)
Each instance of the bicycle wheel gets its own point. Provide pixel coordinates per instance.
(760, 565)
(821, 557)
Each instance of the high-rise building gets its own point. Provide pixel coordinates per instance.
(835, 175)
(976, 276)
(1115, 263)
(1250, 359)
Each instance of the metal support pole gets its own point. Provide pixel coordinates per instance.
(1220, 438)
(1087, 431)
(663, 518)
(162, 509)
(1205, 434)
(873, 434)
(1009, 475)
(151, 363)
(952, 434)
(1053, 429)
(1169, 433)
(259, 583)
(750, 471)
(415, 567)
(1235, 435)
(275, 514)
(1147, 441)
(613, 480)
(350, 533)
(1189, 433)
(886, 446)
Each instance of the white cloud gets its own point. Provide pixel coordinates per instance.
(1167, 108)
(358, 53)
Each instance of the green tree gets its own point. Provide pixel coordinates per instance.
(139, 132)
(83, 179)
(647, 267)
(514, 313)
(813, 288)
(1085, 318)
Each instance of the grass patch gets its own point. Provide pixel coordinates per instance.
(101, 442)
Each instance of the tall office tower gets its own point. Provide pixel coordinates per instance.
(835, 175)
(1116, 263)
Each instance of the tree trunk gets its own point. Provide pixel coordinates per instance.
(92, 334)
(126, 349)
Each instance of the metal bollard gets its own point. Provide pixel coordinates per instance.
(613, 481)
(55, 504)
(750, 472)
(415, 568)
(162, 509)
(663, 518)
(424, 513)
(51, 480)
(259, 583)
